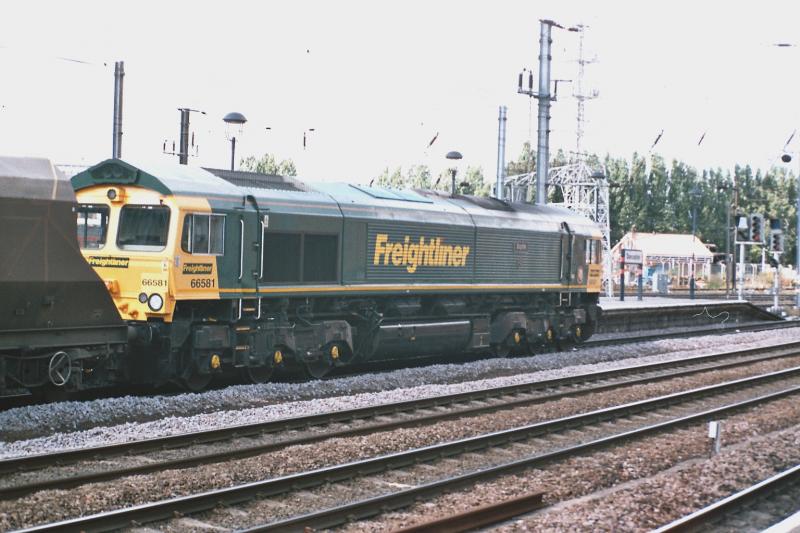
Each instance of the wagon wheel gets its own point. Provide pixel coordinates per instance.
(60, 369)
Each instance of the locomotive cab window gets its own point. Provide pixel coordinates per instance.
(92, 226)
(143, 228)
(203, 234)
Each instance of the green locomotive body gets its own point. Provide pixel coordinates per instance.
(217, 271)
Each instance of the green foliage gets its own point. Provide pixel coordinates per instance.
(419, 177)
(526, 162)
(268, 164)
(648, 194)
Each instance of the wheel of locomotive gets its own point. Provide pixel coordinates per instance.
(196, 381)
(262, 374)
(332, 354)
(319, 367)
(501, 350)
(550, 339)
(258, 374)
(589, 328)
(193, 378)
(577, 333)
(520, 345)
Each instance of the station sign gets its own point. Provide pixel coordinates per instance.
(632, 257)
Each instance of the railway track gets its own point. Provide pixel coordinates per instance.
(22, 400)
(752, 509)
(513, 450)
(20, 480)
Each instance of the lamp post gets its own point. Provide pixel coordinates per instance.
(234, 124)
(728, 205)
(695, 199)
(455, 157)
(787, 158)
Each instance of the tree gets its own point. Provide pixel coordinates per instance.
(470, 181)
(419, 177)
(390, 181)
(268, 164)
(476, 183)
(526, 162)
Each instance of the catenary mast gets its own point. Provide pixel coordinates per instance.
(585, 190)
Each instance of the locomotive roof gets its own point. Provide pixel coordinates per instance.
(33, 178)
(353, 200)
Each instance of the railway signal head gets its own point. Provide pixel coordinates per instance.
(742, 228)
(776, 242)
(757, 228)
(775, 235)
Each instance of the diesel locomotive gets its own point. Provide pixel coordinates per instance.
(148, 274)
(216, 271)
(58, 325)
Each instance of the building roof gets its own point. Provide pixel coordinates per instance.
(664, 245)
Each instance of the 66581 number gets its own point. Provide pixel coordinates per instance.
(202, 283)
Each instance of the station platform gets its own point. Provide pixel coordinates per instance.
(608, 302)
(656, 313)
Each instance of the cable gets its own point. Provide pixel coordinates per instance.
(706, 313)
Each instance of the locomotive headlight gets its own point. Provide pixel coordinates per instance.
(115, 194)
(155, 302)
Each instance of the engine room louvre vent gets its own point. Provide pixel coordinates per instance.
(260, 181)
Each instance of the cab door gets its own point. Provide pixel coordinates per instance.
(567, 242)
(249, 231)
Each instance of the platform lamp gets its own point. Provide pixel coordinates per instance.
(455, 157)
(787, 158)
(234, 124)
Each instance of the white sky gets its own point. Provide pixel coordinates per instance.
(378, 79)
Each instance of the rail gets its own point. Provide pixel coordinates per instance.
(166, 509)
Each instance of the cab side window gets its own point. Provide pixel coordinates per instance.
(203, 234)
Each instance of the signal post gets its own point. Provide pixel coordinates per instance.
(750, 230)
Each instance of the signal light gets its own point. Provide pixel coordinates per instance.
(742, 228)
(776, 242)
(775, 235)
(756, 228)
